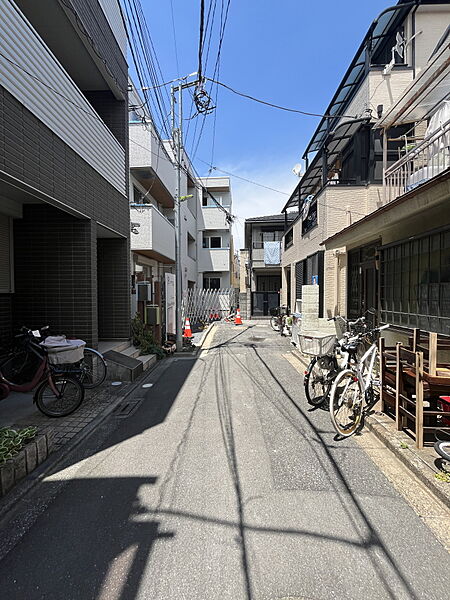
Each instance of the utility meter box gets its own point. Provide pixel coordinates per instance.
(144, 291)
(153, 314)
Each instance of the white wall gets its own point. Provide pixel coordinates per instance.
(146, 150)
(154, 231)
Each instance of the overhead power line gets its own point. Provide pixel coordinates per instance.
(293, 110)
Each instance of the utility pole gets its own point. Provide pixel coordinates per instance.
(177, 137)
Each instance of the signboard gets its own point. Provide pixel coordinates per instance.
(170, 304)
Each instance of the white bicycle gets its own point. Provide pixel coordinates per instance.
(353, 394)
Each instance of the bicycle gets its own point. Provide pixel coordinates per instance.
(352, 393)
(91, 371)
(279, 318)
(56, 393)
(328, 358)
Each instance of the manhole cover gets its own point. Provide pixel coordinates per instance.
(126, 408)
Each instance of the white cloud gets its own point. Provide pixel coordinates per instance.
(250, 200)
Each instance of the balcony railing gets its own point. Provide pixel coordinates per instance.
(427, 160)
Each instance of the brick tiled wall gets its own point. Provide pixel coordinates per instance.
(113, 288)
(55, 272)
(32, 153)
(5, 318)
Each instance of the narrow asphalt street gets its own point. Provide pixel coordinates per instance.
(224, 485)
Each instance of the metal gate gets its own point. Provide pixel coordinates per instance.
(208, 305)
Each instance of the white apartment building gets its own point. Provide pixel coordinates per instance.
(214, 237)
(205, 234)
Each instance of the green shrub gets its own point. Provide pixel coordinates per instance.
(12, 441)
(143, 338)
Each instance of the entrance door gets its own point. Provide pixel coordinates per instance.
(362, 281)
(262, 302)
(267, 294)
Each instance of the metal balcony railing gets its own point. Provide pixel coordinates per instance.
(427, 160)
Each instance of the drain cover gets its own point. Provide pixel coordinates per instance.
(127, 408)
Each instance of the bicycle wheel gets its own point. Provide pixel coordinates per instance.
(274, 323)
(346, 403)
(443, 449)
(93, 369)
(317, 385)
(70, 394)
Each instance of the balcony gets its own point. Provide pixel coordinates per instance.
(258, 256)
(213, 259)
(66, 112)
(152, 234)
(151, 164)
(427, 160)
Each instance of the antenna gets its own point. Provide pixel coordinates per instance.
(297, 169)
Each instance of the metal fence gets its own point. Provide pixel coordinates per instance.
(427, 160)
(208, 305)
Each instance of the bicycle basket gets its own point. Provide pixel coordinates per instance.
(68, 352)
(317, 344)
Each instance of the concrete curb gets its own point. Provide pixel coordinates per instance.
(29, 483)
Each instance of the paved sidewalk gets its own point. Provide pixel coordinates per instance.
(422, 463)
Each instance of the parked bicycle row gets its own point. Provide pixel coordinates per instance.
(344, 372)
(57, 369)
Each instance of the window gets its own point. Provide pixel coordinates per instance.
(212, 241)
(415, 283)
(289, 239)
(310, 221)
(137, 196)
(211, 283)
(309, 271)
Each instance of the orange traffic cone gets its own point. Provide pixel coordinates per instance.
(238, 320)
(187, 333)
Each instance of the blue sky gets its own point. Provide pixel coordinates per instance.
(289, 52)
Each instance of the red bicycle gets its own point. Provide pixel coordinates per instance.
(26, 368)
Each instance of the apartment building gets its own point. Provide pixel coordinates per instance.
(348, 155)
(408, 236)
(260, 284)
(64, 214)
(214, 240)
(205, 234)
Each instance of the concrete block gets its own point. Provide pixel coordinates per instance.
(20, 466)
(31, 456)
(41, 447)
(6, 477)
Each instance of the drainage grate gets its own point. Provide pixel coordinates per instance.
(127, 408)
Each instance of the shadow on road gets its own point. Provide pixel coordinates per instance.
(95, 543)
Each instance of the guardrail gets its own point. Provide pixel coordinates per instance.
(427, 160)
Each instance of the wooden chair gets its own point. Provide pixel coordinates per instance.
(388, 363)
(409, 383)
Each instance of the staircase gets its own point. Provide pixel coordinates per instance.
(123, 360)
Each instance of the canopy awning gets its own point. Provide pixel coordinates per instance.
(311, 182)
(379, 31)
